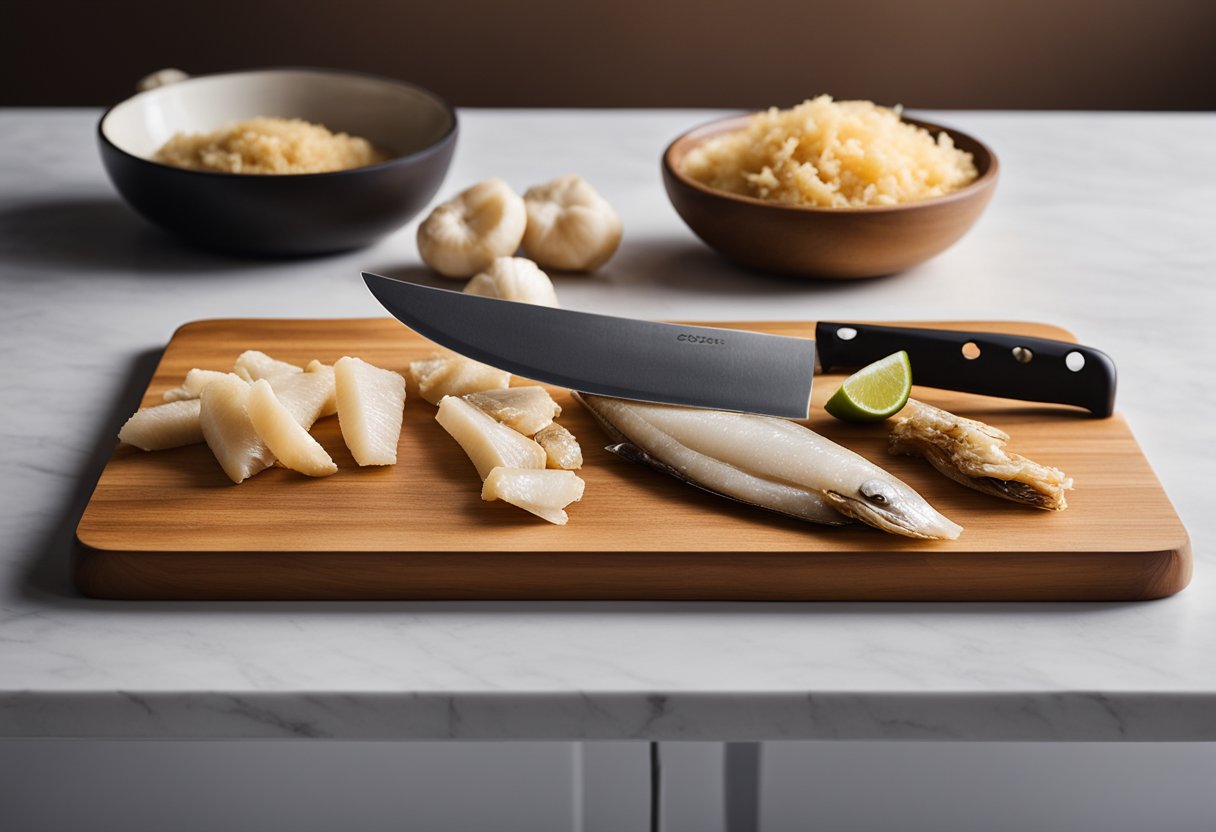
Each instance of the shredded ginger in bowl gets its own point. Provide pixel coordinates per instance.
(268, 145)
(832, 154)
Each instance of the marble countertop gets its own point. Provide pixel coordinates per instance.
(1102, 223)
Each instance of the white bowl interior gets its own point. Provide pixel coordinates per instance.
(396, 118)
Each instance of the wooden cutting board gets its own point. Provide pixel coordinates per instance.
(170, 525)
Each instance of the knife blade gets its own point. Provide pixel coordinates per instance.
(695, 366)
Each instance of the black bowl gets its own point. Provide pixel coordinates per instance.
(289, 214)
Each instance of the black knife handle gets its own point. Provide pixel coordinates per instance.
(991, 364)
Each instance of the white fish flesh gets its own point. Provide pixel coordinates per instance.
(327, 371)
(525, 409)
(224, 419)
(371, 402)
(455, 375)
(305, 395)
(489, 444)
(283, 434)
(193, 385)
(163, 426)
(768, 462)
(253, 365)
(545, 493)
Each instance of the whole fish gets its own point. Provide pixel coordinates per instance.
(767, 462)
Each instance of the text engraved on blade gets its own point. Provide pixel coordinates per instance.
(709, 340)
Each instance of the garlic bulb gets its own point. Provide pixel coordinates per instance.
(464, 235)
(514, 278)
(570, 226)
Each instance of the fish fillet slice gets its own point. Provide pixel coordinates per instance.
(545, 493)
(224, 418)
(164, 426)
(252, 365)
(423, 367)
(456, 376)
(193, 384)
(283, 434)
(331, 404)
(305, 395)
(525, 409)
(489, 444)
(370, 409)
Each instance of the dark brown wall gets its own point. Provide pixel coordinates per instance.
(1091, 54)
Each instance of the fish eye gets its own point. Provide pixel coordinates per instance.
(876, 492)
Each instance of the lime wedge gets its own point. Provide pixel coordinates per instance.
(874, 392)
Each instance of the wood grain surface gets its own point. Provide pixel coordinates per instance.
(170, 525)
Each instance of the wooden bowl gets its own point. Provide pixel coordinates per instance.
(834, 243)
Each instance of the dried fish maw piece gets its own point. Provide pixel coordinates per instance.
(973, 454)
(561, 448)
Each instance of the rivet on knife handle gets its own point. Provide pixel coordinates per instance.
(988, 363)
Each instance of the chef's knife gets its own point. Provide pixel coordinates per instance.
(988, 363)
(723, 369)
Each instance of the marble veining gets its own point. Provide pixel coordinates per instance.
(1096, 226)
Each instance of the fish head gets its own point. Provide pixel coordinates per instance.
(894, 507)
